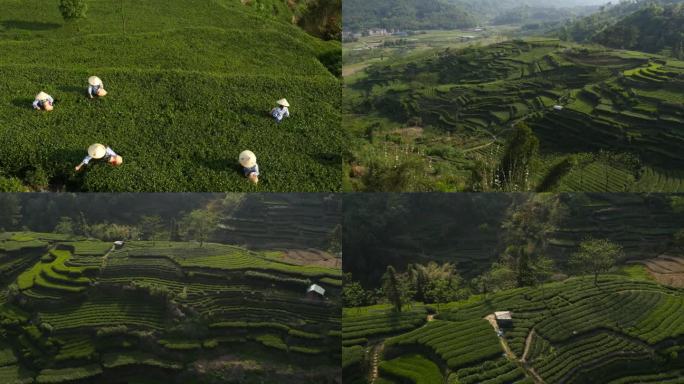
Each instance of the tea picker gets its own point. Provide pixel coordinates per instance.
(101, 152)
(95, 87)
(250, 167)
(43, 101)
(280, 112)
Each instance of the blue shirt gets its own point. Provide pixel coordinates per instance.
(249, 171)
(92, 89)
(280, 113)
(39, 103)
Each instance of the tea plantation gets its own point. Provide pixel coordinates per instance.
(190, 87)
(624, 330)
(606, 120)
(74, 310)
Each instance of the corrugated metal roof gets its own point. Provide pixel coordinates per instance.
(316, 288)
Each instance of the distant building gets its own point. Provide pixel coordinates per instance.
(504, 318)
(378, 32)
(315, 292)
(558, 107)
(118, 244)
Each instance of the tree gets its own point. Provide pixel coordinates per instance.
(517, 160)
(524, 273)
(442, 291)
(152, 227)
(421, 277)
(65, 226)
(542, 268)
(198, 225)
(353, 294)
(501, 276)
(73, 10)
(390, 286)
(595, 256)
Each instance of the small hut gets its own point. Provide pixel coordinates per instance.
(558, 107)
(315, 292)
(504, 319)
(118, 244)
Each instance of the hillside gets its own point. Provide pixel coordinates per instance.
(624, 330)
(321, 18)
(283, 221)
(653, 29)
(605, 120)
(627, 19)
(79, 310)
(418, 228)
(404, 14)
(189, 89)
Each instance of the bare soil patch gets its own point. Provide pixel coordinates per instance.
(667, 270)
(312, 257)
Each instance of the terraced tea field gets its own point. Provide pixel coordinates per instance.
(615, 117)
(622, 331)
(190, 87)
(76, 310)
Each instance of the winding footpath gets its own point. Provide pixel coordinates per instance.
(375, 361)
(523, 360)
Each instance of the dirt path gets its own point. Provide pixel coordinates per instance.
(528, 342)
(375, 361)
(105, 258)
(529, 370)
(504, 343)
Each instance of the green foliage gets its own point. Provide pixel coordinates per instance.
(520, 153)
(65, 226)
(578, 101)
(416, 368)
(198, 225)
(404, 14)
(374, 321)
(209, 107)
(596, 256)
(651, 29)
(392, 287)
(73, 10)
(459, 344)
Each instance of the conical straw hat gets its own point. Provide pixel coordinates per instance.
(94, 80)
(283, 102)
(42, 96)
(97, 151)
(247, 159)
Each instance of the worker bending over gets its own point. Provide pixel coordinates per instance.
(249, 166)
(44, 102)
(95, 87)
(280, 112)
(101, 152)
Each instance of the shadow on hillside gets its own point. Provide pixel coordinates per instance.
(29, 25)
(23, 102)
(328, 159)
(64, 177)
(221, 165)
(79, 91)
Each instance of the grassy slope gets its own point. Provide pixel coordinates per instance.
(252, 316)
(190, 87)
(580, 330)
(476, 97)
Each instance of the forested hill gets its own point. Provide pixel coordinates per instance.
(652, 29)
(646, 25)
(404, 14)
